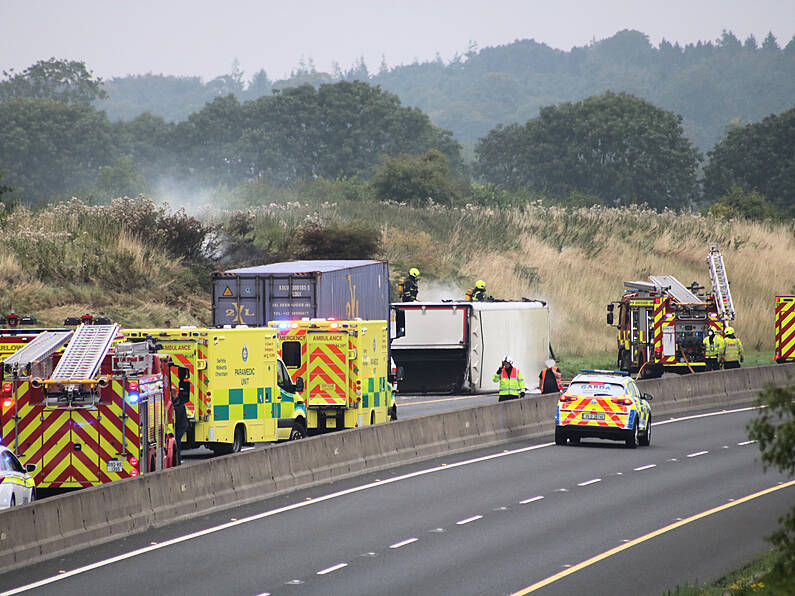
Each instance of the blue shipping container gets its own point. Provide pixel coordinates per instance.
(298, 289)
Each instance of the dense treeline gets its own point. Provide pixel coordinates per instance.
(711, 84)
(611, 149)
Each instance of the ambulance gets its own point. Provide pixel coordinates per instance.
(346, 367)
(240, 392)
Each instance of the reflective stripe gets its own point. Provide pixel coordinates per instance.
(733, 349)
(510, 385)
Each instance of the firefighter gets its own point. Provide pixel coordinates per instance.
(180, 397)
(713, 347)
(732, 350)
(510, 379)
(410, 287)
(550, 379)
(479, 293)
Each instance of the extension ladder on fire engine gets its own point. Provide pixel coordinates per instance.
(45, 344)
(84, 354)
(720, 283)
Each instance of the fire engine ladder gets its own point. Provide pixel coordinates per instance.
(84, 354)
(720, 283)
(675, 288)
(43, 345)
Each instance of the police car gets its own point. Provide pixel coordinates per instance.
(606, 405)
(16, 483)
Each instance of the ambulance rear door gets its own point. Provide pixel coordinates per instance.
(327, 368)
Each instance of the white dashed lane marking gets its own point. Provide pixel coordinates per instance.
(332, 568)
(640, 469)
(592, 481)
(746, 443)
(469, 519)
(403, 542)
(530, 500)
(697, 453)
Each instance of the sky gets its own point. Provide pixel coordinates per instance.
(205, 37)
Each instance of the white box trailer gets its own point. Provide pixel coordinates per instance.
(458, 346)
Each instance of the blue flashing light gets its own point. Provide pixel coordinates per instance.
(283, 325)
(132, 398)
(621, 373)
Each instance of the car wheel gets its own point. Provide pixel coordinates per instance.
(574, 439)
(560, 436)
(631, 439)
(298, 431)
(644, 438)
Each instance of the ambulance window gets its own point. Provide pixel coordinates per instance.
(291, 353)
(284, 381)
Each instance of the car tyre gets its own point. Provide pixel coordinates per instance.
(632, 436)
(644, 438)
(560, 436)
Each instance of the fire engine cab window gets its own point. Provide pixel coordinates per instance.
(291, 353)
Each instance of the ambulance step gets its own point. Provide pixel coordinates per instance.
(43, 345)
(85, 352)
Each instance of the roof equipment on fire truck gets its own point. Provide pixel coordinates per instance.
(720, 283)
(41, 347)
(85, 352)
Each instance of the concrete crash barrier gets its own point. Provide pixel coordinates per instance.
(91, 516)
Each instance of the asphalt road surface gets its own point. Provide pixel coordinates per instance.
(595, 518)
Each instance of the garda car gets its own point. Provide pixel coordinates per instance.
(16, 483)
(605, 405)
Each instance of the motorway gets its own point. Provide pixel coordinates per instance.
(595, 518)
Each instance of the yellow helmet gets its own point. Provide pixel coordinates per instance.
(414, 272)
(480, 284)
(729, 330)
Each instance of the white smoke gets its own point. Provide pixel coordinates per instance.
(436, 291)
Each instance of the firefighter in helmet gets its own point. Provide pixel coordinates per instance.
(510, 379)
(713, 347)
(479, 293)
(410, 287)
(732, 350)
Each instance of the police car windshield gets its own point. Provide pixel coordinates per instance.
(596, 389)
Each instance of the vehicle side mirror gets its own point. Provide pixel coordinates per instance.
(299, 384)
(609, 318)
(30, 468)
(648, 396)
(399, 375)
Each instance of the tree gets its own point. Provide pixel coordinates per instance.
(4, 188)
(65, 81)
(338, 240)
(759, 156)
(416, 179)
(122, 179)
(738, 204)
(615, 146)
(774, 430)
(50, 148)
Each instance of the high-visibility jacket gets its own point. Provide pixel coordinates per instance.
(546, 387)
(510, 383)
(714, 348)
(732, 350)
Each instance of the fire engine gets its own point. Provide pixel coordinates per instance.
(662, 323)
(88, 414)
(239, 389)
(785, 329)
(347, 367)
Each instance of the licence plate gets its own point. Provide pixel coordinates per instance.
(593, 416)
(115, 465)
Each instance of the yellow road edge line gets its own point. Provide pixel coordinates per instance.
(649, 536)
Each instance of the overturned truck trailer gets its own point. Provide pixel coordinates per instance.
(457, 346)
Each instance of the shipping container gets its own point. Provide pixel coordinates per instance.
(301, 289)
(452, 347)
